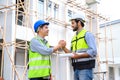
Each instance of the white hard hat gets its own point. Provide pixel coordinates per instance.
(79, 15)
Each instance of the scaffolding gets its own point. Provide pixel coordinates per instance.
(23, 9)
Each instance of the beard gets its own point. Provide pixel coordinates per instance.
(76, 28)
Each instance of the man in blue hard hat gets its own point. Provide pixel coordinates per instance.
(39, 53)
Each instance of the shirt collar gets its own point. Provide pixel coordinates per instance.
(39, 37)
(43, 39)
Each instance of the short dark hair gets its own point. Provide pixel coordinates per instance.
(81, 21)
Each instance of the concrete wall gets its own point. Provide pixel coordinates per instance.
(114, 31)
(111, 48)
(117, 72)
(24, 33)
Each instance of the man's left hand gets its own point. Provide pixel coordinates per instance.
(75, 56)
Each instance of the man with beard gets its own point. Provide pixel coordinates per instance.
(83, 47)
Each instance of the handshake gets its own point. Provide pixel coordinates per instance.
(61, 45)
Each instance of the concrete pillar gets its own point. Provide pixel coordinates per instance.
(94, 18)
(116, 73)
(33, 6)
(7, 19)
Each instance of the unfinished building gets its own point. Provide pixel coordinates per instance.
(16, 30)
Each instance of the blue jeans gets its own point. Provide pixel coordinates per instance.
(85, 74)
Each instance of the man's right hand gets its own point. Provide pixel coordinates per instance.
(61, 44)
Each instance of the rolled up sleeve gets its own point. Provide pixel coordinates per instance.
(90, 39)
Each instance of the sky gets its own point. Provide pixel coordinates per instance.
(110, 8)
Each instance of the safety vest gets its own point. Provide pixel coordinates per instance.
(39, 65)
(78, 44)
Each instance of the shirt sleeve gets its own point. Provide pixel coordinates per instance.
(36, 46)
(90, 39)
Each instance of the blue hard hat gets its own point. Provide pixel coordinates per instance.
(39, 23)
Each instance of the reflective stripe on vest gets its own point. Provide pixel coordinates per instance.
(84, 59)
(39, 65)
(38, 58)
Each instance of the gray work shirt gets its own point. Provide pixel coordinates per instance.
(38, 47)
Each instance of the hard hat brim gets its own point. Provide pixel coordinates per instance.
(46, 23)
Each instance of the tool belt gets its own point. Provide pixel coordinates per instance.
(83, 65)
